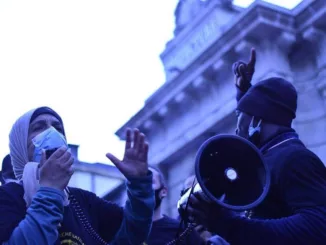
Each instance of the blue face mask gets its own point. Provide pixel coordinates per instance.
(47, 140)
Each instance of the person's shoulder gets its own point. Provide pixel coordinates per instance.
(302, 160)
(82, 195)
(12, 190)
(304, 156)
(12, 208)
(167, 222)
(79, 191)
(293, 151)
(12, 199)
(170, 220)
(88, 197)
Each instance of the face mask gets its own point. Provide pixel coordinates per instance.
(158, 199)
(48, 140)
(254, 132)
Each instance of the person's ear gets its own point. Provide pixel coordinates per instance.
(164, 192)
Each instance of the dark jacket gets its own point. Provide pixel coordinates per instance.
(165, 230)
(294, 211)
(86, 220)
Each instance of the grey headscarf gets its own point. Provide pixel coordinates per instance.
(18, 143)
(26, 171)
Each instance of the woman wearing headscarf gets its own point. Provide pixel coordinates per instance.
(40, 209)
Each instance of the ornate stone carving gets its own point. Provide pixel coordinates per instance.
(148, 125)
(286, 40)
(187, 10)
(318, 37)
(163, 111)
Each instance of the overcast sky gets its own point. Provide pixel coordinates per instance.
(94, 62)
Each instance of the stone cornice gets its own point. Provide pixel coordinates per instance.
(196, 23)
(260, 15)
(321, 81)
(286, 24)
(310, 13)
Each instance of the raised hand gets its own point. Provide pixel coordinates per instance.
(56, 171)
(243, 72)
(134, 163)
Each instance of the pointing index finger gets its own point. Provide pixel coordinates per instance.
(252, 61)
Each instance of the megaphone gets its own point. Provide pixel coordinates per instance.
(231, 172)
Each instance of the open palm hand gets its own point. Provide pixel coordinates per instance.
(134, 163)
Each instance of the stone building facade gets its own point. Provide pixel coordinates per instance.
(197, 100)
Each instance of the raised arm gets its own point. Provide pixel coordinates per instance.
(243, 73)
(127, 225)
(40, 224)
(138, 212)
(42, 219)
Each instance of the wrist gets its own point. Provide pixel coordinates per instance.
(45, 184)
(140, 174)
(52, 191)
(142, 184)
(243, 87)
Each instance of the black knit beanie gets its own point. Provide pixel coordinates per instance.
(273, 100)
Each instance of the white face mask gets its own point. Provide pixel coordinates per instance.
(48, 140)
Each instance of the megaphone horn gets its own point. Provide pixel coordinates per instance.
(231, 172)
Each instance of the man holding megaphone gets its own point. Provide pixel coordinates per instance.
(294, 211)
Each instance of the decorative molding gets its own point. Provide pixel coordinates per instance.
(219, 65)
(323, 93)
(286, 40)
(199, 87)
(199, 82)
(200, 38)
(312, 13)
(318, 38)
(321, 79)
(163, 111)
(243, 47)
(219, 43)
(314, 34)
(148, 125)
(180, 98)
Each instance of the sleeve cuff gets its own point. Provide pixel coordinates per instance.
(52, 191)
(141, 185)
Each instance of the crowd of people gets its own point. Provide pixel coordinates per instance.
(38, 207)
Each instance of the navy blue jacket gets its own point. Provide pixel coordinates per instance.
(294, 211)
(46, 221)
(165, 230)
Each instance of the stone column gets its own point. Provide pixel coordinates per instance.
(272, 57)
(311, 114)
(318, 38)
